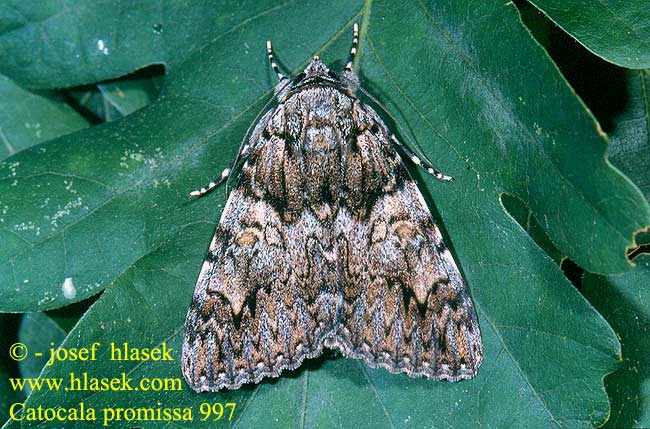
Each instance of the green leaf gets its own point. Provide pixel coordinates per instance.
(112, 100)
(458, 77)
(95, 41)
(624, 300)
(617, 97)
(28, 118)
(40, 333)
(524, 217)
(130, 95)
(11, 424)
(629, 148)
(615, 31)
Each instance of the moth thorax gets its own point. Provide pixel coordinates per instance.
(320, 139)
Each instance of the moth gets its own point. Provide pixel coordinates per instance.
(326, 241)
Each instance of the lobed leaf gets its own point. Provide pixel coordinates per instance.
(109, 207)
(624, 299)
(617, 31)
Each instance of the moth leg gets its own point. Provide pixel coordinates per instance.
(274, 66)
(429, 168)
(353, 49)
(213, 184)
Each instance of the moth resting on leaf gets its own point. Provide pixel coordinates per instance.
(326, 241)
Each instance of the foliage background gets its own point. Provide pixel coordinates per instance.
(111, 111)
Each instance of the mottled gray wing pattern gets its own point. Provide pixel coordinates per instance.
(263, 301)
(406, 307)
(326, 241)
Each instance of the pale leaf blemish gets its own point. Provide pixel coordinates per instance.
(141, 157)
(68, 186)
(27, 226)
(36, 127)
(6, 142)
(64, 211)
(69, 291)
(47, 297)
(102, 47)
(12, 168)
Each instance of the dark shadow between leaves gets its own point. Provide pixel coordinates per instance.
(89, 101)
(600, 84)
(573, 272)
(642, 240)
(517, 209)
(639, 250)
(67, 317)
(9, 324)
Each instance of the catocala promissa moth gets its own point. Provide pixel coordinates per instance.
(326, 241)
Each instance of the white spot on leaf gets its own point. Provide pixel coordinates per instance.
(102, 47)
(69, 291)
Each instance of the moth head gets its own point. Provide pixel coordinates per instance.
(316, 68)
(317, 73)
